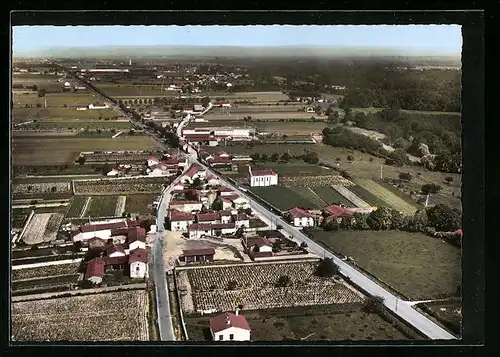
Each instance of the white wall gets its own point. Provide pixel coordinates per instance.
(245, 223)
(264, 180)
(265, 248)
(180, 226)
(137, 244)
(303, 222)
(188, 207)
(138, 269)
(196, 234)
(238, 334)
(226, 219)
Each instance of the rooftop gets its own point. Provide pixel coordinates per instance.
(224, 321)
(297, 212)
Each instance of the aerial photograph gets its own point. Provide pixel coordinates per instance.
(236, 183)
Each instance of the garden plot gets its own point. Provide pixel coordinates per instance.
(315, 181)
(119, 186)
(367, 196)
(44, 283)
(140, 204)
(351, 197)
(284, 198)
(45, 271)
(308, 194)
(101, 206)
(43, 227)
(78, 206)
(387, 196)
(114, 316)
(40, 188)
(254, 286)
(330, 196)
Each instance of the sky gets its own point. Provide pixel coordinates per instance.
(447, 38)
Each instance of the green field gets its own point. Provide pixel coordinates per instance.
(374, 110)
(77, 204)
(398, 193)
(65, 150)
(285, 198)
(290, 127)
(26, 114)
(53, 99)
(367, 196)
(417, 266)
(74, 124)
(124, 90)
(292, 168)
(102, 206)
(139, 204)
(331, 196)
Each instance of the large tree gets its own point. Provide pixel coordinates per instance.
(443, 218)
(380, 219)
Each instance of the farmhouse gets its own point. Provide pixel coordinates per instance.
(263, 245)
(96, 243)
(179, 221)
(95, 270)
(101, 230)
(186, 205)
(211, 217)
(198, 107)
(113, 251)
(241, 220)
(218, 162)
(197, 255)
(193, 172)
(230, 327)
(98, 106)
(262, 177)
(113, 172)
(226, 203)
(239, 202)
(198, 230)
(301, 218)
(225, 191)
(337, 212)
(138, 263)
(225, 216)
(136, 238)
(179, 186)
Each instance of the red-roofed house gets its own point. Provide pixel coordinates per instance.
(192, 172)
(179, 221)
(230, 327)
(263, 245)
(115, 251)
(300, 218)
(241, 220)
(225, 191)
(96, 243)
(95, 270)
(197, 255)
(211, 217)
(153, 161)
(225, 216)
(223, 154)
(186, 205)
(198, 230)
(262, 177)
(227, 204)
(179, 186)
(337, 212)
(136, 238)
(219, 161)
(98, 106)
(138, 263)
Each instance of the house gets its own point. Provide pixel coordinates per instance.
(213, 181)
(263, 245)
(310, 109)
(158, 170)
(136, 238)
(96, 243)
(301, 218)
(240, 202)
(199, 230)
(198, 107)
(138, 262)
(95, 270)
(179, 221)
(211, 217)
(197, 255)
(98, 106)
(223, 154)
(116, 262)
(153, 161)
(101, 230)
(225, 191)
(115, 251)
(193, 172)
(219, 162)
(226, 203)
(179, 186)
(188, 110)
(186, 205)
(230, 327)
(262, 177)
(82, 108)
(113, 172)
(241, 220)
(225, 216)
(337, 212)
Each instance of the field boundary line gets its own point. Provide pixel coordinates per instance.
(353, 198)
(85, 207)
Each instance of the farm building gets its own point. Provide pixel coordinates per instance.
(197, 255)
(138, 262)
(179, 221)
(227, 204)
(225, 216)
(95, 270)
(263, 245)
(230, 327)
(262, 177)
(186, 205)
(239, 202)
(136, 238)
(193, 172)
(300, 218)
(113, 172)
(210, 217)
(115, 251)
(96, 243)
(98, 106)
(198, 230)
(102, 230)
(220, 162)
(337, 212)
(225, 191)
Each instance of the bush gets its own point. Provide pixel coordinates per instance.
(327, 268)
(405, 176)
(443, 218)
(283, 281)
(373, 305)
(430, 188)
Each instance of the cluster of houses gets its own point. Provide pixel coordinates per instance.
(308, 218)
(119, 244)
(169, 166)
(212, 136)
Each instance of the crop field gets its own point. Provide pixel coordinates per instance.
(298, 168)
(367, 196)
(139, 204)
(350, 196)
(26, 114)
(324, 322)
(114, 316)
(417, 266)
(115, 187)
(78, 206)
(315, 181)
(45, 282)
(389, 197)
(40, 188)
(256, 287)
(290, 127)
(271, 96)
(283, 198)
(252, 109)
(79, 124)
(45, 271)
(308, 194)
(65, 150)
(330, 196)
(42, 228)
(396, 191)
(103, 206)
(125, 90)
(53, 99)
(271, 116)
(126, 156)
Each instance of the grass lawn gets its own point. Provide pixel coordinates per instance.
(318, 322)
(417, 266)
(140, 204)
(102, 206)
(398, 193)
(285, 198)
(41, 151)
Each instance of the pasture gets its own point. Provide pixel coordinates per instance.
(129, 90)
(271, 116)
(112, 316)
(140, 204)
(391, 198)
(65, 150)
(285, 198)
(317, 323)
(80, 124)
(93, 206)
(271, 96)
(331, 196)
(290, 127)
(20, 115)
(55, 100)
(418, 266)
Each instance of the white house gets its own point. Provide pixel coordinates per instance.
(136, 238)
(82, 108)
(199, 107)
(210, 217)
(192, 173)
(230, 327)
(241, 220)
(227, 204)
(115, 251)
(180, 221)
(67, 84)
(179, 186)
(113, 172)
(240, 203)
(301, 218)
(226, 216)
(153, 161)
(138, 263)
(186, 206)
(198, 230)
(263, 245)
(262, 177)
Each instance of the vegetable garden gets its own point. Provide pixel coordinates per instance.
(113, 187)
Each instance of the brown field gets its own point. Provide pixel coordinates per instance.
(326, 322)
(115, 316)
(418, 266)
(64, 150)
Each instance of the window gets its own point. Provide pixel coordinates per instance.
(137, 269)
(231, 337)
(221, 337)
